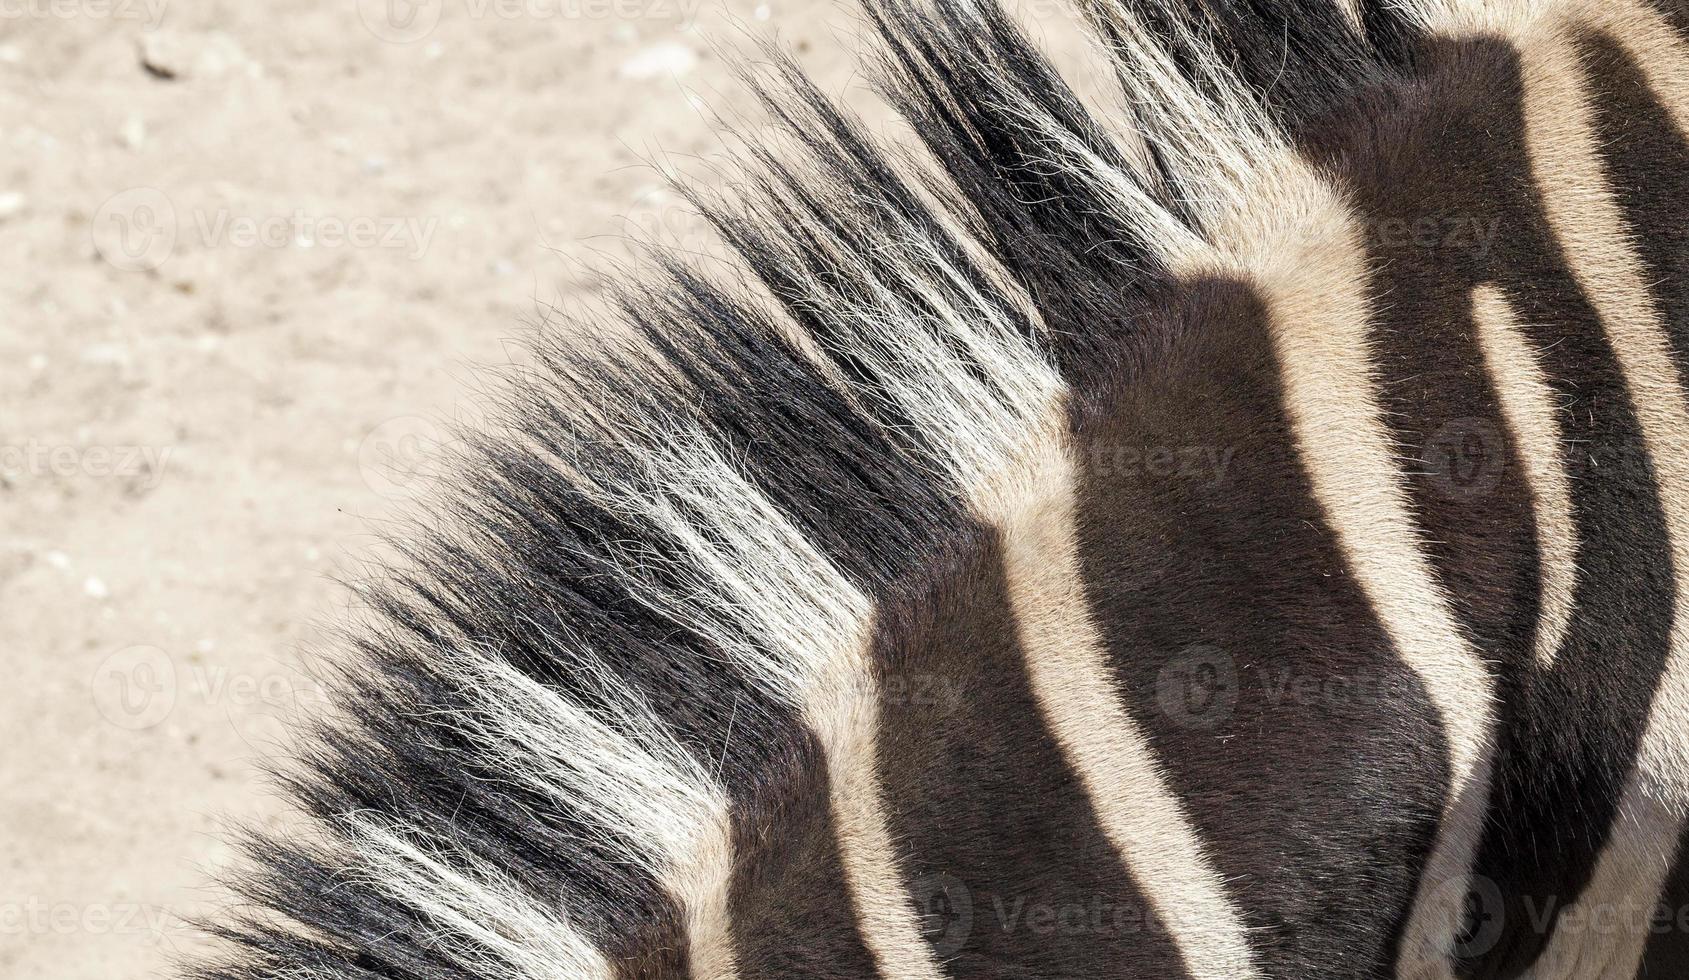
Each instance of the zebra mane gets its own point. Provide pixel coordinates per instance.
(611, 637)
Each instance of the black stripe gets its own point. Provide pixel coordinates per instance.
(1424, 202)
(1299, 57)
(1001, 848)
(1391, 31)
(789, 903)
(959, 72)
(1301, 746)
(1676, 13)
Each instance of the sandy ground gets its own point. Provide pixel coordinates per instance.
(251, 252)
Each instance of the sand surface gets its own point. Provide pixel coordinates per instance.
(252, 253)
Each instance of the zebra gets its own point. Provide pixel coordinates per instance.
(1237, 529)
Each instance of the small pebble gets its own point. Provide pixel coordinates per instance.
(659, 60)
(161, 55)
(134, 132)
(168, 55)
(109, 354)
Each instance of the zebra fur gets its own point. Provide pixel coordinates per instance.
(819, 600)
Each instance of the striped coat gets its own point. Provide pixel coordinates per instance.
(1241, 531)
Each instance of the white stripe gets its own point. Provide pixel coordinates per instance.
(1071, 678)
(1527, 403)
(1320, 331)
(1303, 250)
(847, 720)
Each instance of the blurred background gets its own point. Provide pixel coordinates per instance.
(252, 253)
